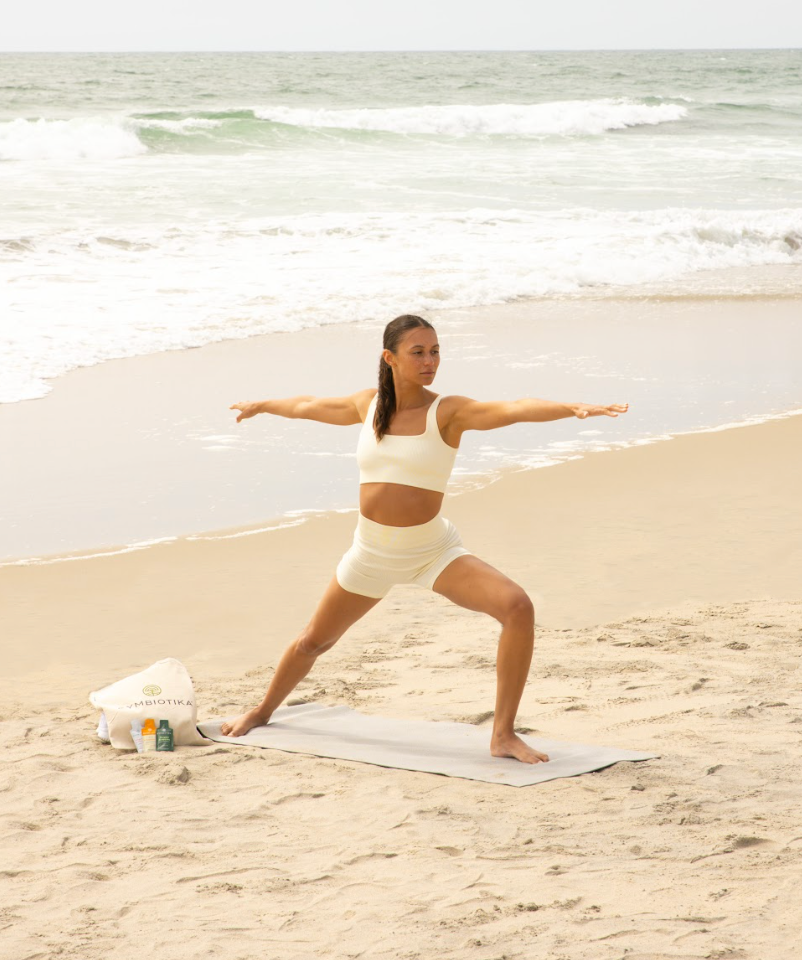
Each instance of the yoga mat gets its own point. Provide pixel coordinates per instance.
(450, 749)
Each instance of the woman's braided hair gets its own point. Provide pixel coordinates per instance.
(385, 401)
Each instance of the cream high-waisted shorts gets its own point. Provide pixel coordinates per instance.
(382, 556)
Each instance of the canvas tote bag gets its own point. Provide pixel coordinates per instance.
(162, 691)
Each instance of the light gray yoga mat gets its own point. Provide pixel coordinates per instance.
(451, 749)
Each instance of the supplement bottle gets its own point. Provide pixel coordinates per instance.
(136, 735)
(164, 736)
(149, 735)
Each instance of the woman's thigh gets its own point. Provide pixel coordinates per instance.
(471, 583)
(337, 610)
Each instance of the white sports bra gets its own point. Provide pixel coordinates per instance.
(423, 460)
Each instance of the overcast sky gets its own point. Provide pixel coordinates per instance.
(100, 25)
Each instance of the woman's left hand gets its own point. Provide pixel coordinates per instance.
(583, 410)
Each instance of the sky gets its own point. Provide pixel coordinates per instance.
(166, 25)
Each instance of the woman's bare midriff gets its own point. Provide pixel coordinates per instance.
(397, 505)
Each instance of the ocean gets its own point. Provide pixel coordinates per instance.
(154, 202)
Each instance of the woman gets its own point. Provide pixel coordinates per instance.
(406, 452)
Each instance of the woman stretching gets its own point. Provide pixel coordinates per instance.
(406, 453)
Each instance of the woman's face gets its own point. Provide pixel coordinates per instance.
(417, 356)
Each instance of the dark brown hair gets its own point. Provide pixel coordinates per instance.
(385, 401)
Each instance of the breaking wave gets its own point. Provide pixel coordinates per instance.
(81, 138)
(561, 118)
(112, 138)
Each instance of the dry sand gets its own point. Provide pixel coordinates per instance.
(243, 853)
(668, 580)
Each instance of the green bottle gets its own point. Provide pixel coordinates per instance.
(164, 736)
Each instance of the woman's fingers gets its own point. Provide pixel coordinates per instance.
(612, 410)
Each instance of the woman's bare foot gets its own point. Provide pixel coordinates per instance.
(511, 745)
(240, 726)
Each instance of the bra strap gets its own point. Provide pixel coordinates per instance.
(371, 413)
(431, 414)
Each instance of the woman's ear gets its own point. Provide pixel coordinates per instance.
(387, 356)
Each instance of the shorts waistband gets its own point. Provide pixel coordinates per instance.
(382, 534)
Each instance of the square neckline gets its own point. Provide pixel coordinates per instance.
(427, 428)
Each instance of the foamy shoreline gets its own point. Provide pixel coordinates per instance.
(145, 449)
(297, 518)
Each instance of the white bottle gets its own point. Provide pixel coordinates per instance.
(103, 729)
(136, 735)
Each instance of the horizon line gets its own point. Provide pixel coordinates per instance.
(439, 50)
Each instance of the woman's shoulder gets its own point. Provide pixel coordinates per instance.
(449, 410)
(452, 403)
(363, 399)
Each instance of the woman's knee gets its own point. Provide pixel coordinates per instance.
(519, 609)
(313, 644)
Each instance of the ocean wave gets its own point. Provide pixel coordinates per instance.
(81, 138)
(110, 138)
(561, 118)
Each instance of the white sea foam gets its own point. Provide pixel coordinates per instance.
(98, 555)
(561, 118)
(748, 422)
(292, 518)
(188, 125)
(81, 138)
(295, 521)
(165, 288)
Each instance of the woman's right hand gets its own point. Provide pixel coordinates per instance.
(246, 410)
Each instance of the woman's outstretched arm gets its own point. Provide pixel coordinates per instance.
(340, 411)
(467, 414)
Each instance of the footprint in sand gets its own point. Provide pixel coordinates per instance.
(478, 718)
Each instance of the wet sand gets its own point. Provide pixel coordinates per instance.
(145, 448)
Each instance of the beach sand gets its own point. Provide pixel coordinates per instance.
(668, 584)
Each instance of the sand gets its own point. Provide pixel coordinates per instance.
(241, 852)
(668, 584)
